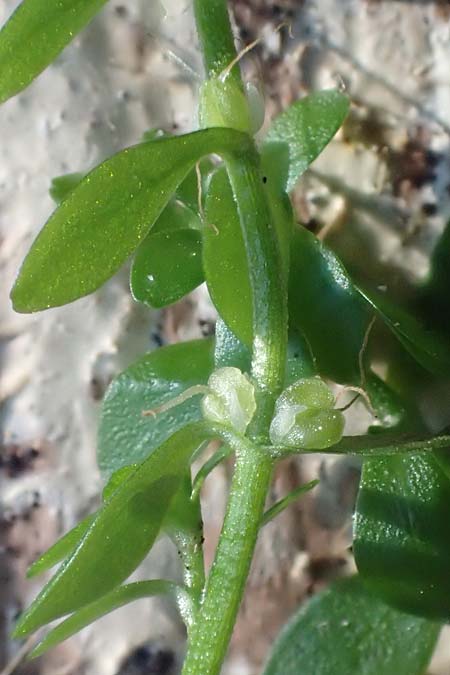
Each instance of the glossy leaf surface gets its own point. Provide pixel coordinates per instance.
(229, 350)
(425, 346)
(167, 266)
(108, 603)
(402, 533)
(120, 536)
(125, 435)
(347, 630)
(102, 221)
(325, 306)
(300, 133)
(224, 260)
(35, 34)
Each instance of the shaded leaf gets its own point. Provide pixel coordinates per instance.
(167, 266)
(229, 350)
(34, 36)
(346, 630)
(108, 603)
(125, 436)
(62, 186)
(224, 259)
(402, 533)
(425, 346)
(121, 535)
(300, 133)
(102, 221)
(326, 308)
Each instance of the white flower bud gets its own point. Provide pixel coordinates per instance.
(231, 400)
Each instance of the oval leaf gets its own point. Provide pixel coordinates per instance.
(402, 533)
(35, 34)
(121, 535)
(108, 603)
(167, 266)
(102, 220)
(325, 306)
(300, 133)
(426, 347)
(346, 630)
(125, 436)
(63, 185)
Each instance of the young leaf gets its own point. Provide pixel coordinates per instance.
(402, 533)
(346, 630)
(290, 498)
(62, 548)
(326, 308)
(62, 186)
(121, 535)
(426, 347)
(300, 133)
(125, 435)
(217, 458)
(107, 215)
(167, 266)
(108, 603)
(34, 36)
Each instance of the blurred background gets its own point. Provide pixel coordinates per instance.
(379, 194)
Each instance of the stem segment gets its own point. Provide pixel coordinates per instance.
(214, 621)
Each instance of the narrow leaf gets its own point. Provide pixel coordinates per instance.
(108, 603)
(224, 259)
(167, 266)
(326, 308)
(125, 435)
(34, 36)
(346, 630)
(402, 533)
(102, 221)
(425, 346)
(281, 505)
(217, 458)
(300, 133)
(120, 536)
(62, 548)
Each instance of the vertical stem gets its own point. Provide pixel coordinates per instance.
(210, 635)
(216, 38)
(214, 621)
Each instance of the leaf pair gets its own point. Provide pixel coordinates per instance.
(121, 533)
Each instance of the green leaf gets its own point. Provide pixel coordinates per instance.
(102, 221)
(121, 535)
(300, 133)
(167, 266)
(176, 216)
(346, 630)
(34, 36)
(426, 347)
(125, 436)
(63, 185)
(326, 308)
(224, 259)
(217, 458)
(290, 498)
(229, 351)
(393, 443)
(61, 549)
(108, 603)
(402, 533)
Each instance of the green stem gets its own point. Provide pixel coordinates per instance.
(209, 637)
(216, 38)
(214, 622)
